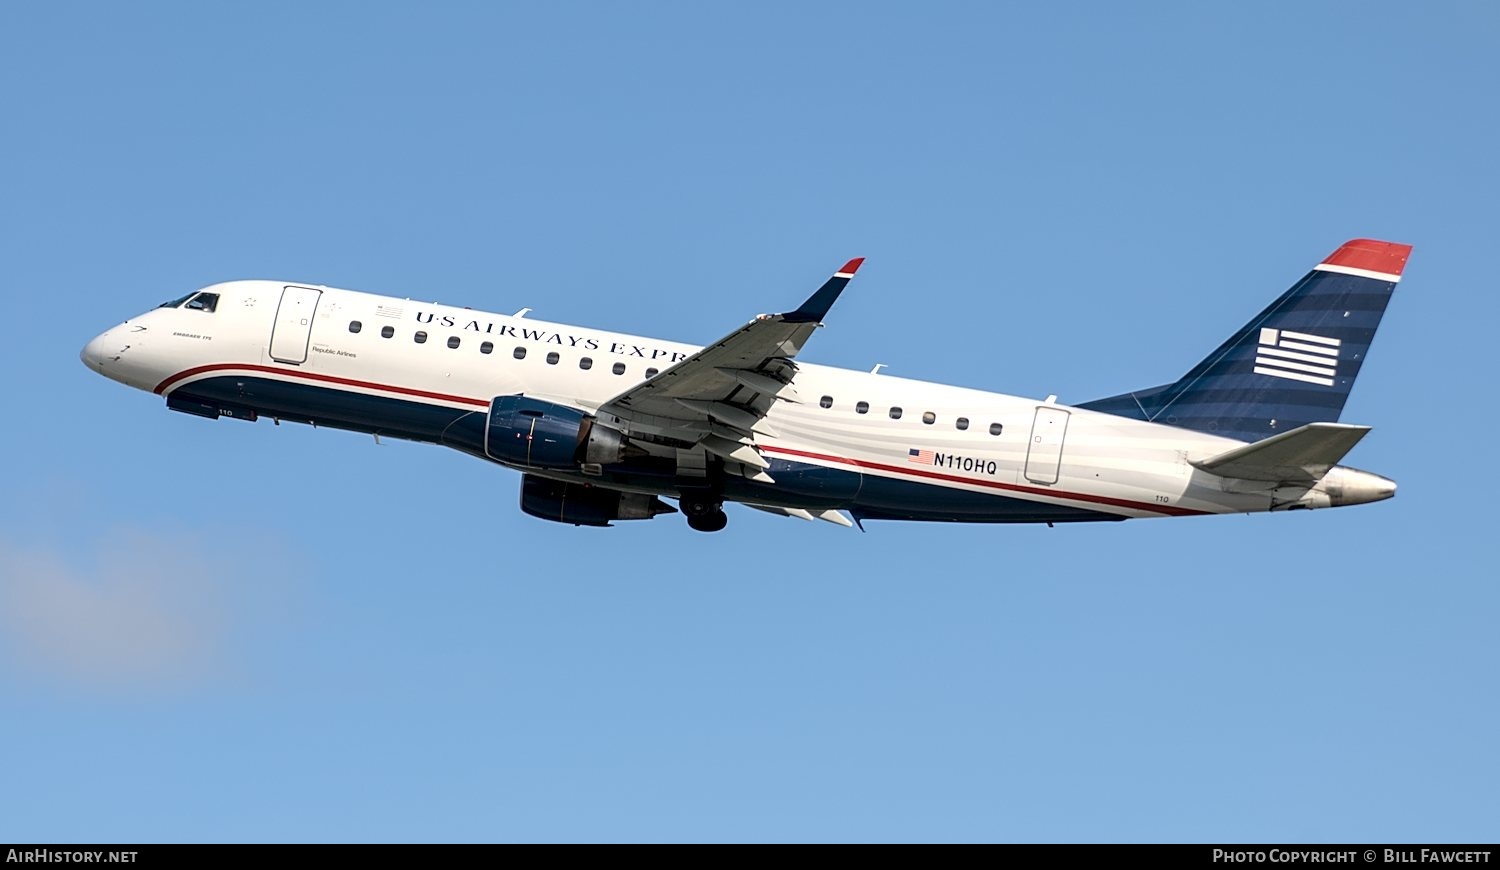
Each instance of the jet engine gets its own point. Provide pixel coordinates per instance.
(584, 505)
(531, 432)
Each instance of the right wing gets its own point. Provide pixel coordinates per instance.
(718, 398)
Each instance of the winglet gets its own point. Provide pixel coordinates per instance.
(817, 306)
(850, 268)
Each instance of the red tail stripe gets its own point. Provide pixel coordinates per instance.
(1371, 255)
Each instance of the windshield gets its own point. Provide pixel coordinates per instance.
(196, 301)
(204, 302)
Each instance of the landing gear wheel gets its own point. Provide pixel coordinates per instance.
(712, 520)
(703, 507)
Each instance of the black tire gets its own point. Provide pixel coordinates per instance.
(713, 521)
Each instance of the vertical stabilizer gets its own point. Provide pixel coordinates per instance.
(1292, 364)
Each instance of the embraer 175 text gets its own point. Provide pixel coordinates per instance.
(602, 425)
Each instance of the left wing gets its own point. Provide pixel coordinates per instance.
(718, 398)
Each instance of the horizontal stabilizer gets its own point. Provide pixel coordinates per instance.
(1302, 455)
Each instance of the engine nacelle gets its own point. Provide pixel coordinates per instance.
(531, 432)
(586, 505)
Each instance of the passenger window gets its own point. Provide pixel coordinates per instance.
(996, 428)
(825, 402)
(387, 331)
(619, 368)
(206, 302)
(585, 363)
(651, 373)
(355, 326)
(453, 341)
(929, 418)
(519, 353)
(420, 337)
(861, 407)
(962, 423)
(895, 413)
(486, 347)
(552, 358)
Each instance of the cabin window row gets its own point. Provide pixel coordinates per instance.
(488, 347)
(896, 413)
(586, 363)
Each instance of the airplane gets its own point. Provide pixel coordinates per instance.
(604, 426)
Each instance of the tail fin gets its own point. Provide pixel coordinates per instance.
(1292, 364)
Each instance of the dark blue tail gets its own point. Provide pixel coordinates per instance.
(1293, 364)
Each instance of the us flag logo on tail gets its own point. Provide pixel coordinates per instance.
(920, 457)
(1297, 356)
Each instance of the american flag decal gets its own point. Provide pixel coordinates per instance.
(920, 457)
(1297, 356)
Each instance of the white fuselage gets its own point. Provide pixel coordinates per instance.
(912, 446)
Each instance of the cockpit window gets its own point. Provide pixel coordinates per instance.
(204, 302)
(178, 301)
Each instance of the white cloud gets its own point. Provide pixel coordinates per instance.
(138, 610)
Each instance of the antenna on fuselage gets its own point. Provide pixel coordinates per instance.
(878, 367)
(522, 313)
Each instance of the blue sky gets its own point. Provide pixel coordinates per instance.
(218, 631)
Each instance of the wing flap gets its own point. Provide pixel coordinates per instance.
(829, 516)
(763, 384)
(783, 512)
(734, 450)
(1301, 456)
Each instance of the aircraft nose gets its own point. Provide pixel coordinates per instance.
(93, 352)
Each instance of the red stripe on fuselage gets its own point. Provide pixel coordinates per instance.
(329, 379)
(995, 484)
(857, 463)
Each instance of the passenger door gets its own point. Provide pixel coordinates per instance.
(1044, 453)
(293, 329)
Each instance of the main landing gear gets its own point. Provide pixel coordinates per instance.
(704, 513)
